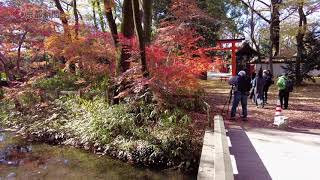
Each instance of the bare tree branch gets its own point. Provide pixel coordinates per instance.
(294, 9)
(255, 11)
(268, 5)
(71, 5)
(313, 9)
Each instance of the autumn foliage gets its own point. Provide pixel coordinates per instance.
(176, 57)
(92, 54)
(177, 66)
(21, 27)
(175, 63)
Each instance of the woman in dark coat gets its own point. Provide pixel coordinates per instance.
(253, 76)
(268, 82)
(259, 83)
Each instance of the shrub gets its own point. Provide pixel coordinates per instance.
(141, 134)
(28, 98)
(1, 93)
(96, 121)
(6, 107)
(3, 113)
(98, 88)
(61, 81)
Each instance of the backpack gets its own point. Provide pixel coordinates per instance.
(289, 85)
(244, 84)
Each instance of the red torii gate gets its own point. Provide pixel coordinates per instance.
(233, 48)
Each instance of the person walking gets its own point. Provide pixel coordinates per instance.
(259, 83)
(285, 86)
(241, 93)
(268, 82)
(253, 76)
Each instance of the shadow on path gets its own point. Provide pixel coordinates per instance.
(249, 164)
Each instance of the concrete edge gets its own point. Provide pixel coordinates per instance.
(223, 166)
(206, 166)
(215, 161)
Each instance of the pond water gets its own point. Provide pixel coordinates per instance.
(20, 159)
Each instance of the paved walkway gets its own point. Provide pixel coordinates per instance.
(265, 154)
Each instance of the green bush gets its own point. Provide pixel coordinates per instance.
(94, 120)
(176, 117)
(6, 107)
(28, 98)
(61, 81)
(1, 93)
(3, 113)
(99, 88)
(3, 76)
(143, 132)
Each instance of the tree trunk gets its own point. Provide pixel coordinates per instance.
(252, 27)
(274, 32)
(139, 32)
(101, 16)
(94, 15)
(111, 22)
(127, 29)
(19, 51)
(274, 28)
(147, 19)
(271, 50)
(300, 45)
(76, 19)
(63, 18)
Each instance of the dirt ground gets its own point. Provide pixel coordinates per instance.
(303, 111)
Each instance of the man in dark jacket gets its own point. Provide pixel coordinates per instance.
(242, 87)
(268, 82)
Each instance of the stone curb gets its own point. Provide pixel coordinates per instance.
(223, 168)
(206, 166)
(215, 162)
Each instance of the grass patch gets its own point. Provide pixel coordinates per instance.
(141, 133)
(60, 81)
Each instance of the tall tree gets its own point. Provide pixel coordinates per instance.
(274, 21)
(76, 19)
(21, 41)
(63, 18)
(127, 29)
(140, 34)
(252, 30)
(93, 3)
(147, 19)
(102, 24)
(274, 31)
(108, 4)
(229, 13)
(305, 8)
(300, 38)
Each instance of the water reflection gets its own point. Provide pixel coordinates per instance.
(2, 137)
(21, 160)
